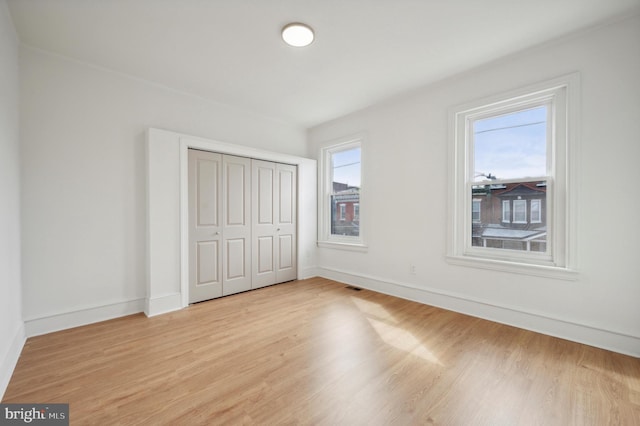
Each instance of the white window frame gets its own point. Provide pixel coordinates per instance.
(356, 208)
(342, 208)
(559, 261)
(506, 212)
(537, 219)
(523, 204)
(325, 187)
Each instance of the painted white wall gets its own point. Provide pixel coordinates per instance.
(405, 170)
(84, 190)
(11, 325)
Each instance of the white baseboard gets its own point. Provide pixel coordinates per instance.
(8, 364)
(309, 272)
(82, 316)
(163, 304)
(615, 341)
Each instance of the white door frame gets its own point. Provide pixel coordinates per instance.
(168, 188)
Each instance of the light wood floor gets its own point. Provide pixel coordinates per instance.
(316, 352)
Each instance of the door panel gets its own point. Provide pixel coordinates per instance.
(263, 224)
(265, 195)
(236, 185)
(286, 196)
(265, 255)
(286, 226)
(205, 257)
(235, 258)
(207, 199)
(236, 231)
(207, 262)
(285, 253)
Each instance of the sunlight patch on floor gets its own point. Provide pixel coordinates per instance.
(372, 309)
(383, 323)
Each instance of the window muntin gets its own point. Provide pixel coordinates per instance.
(555, 239)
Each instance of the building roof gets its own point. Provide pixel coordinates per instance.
(523, 189)
(512, 234)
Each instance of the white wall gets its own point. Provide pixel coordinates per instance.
(405, 178)
(11, 325)
(83, 157)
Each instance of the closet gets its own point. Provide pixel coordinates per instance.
(242, 224)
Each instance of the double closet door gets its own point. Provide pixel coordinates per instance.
(242, 224)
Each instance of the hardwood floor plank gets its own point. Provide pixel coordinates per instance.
(315, 352)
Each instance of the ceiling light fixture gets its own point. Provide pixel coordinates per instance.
(297, 34)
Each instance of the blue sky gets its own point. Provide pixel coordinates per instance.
(511, 146)
(346, 166)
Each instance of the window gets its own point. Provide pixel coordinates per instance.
(340, 195)
(536, 212)
(519, 211)
(514, 153)
(475, 214)
(506, 211)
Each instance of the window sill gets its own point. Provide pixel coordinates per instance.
(515, 267)
(343, 246)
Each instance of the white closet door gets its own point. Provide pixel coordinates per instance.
(236, 231)
(264, 223)
(274, 223)
(286, 178)
(205, 225)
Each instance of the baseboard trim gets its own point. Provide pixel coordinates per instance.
(83, 316)
(11, 358)
(163, 304)
(309, 272)
(621, 342)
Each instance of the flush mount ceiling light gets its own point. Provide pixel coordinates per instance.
(297, 34)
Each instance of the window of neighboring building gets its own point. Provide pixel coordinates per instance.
(341, 195)
(514, 151)
(475, 214)
(536, 211)
(506, 211)
(519, 211)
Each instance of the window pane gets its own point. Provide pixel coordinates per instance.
(511, 145)
(536, 214)
(506, 211)
(504, 223)
(519, 211)
(345, 172)
(475, 213)
(345, 167)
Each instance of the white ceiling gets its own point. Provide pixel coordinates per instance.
(230, 51)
